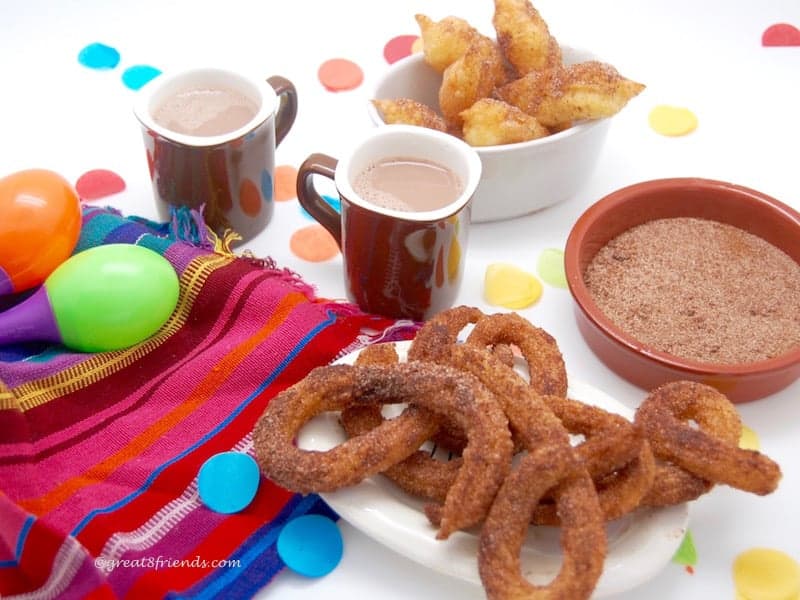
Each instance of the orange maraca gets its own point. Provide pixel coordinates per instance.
(40, 221)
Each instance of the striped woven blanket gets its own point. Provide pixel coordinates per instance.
(99, 453)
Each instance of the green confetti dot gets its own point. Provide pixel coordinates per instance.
(686, 554)
(551, 267)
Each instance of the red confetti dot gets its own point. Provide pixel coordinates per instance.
(98, 183)
(781, 34)
(340, 74)
(399, 47)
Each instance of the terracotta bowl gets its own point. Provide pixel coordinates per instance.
(645, 367)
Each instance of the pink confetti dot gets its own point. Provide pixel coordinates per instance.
(781, 34)
(399, 47)
(99, 183)
(340, 74)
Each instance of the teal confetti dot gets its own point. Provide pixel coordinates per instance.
(335, 203)
(98, 56)
(228, 481)
(310, 545)
(137, 76)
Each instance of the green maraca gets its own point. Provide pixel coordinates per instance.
(106, 298)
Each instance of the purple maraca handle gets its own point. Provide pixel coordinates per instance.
(31, 320)
(5, 283)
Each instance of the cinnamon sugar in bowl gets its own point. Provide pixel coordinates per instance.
(690, 278)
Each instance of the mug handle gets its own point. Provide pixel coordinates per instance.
(287, 109)
(309, 198)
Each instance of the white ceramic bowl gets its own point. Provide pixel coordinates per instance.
(517, 178)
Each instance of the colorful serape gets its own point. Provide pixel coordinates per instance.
(99, 453)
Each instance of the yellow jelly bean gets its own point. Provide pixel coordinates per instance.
(766, 574)
(672, 120)
(511, 287)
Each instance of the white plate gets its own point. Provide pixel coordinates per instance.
(640, 544)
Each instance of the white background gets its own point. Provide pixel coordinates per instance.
(706, 56)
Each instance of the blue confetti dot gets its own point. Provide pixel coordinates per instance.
(310, 545)
(98, 56)
(137, 76)
(335, 203)
(266, 185)
(228, 481)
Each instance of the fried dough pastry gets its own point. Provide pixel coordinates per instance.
(524, 37)
(710, 451)
(583, 535)
(445, 41)
(588, 90)
(491, 122)
(473, 76)
(409, 112)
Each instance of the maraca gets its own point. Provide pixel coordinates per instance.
(105, 298)
(40, 220)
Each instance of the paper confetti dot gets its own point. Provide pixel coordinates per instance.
(766, 574)
(686, 554)
(98, 56)
(550, 267)
(285, 183)
(672, 120)
(749, 439)
(227, 482)
(137, 76)
(511, 287)
(340, 74)
(98, 183)
(313, 243)
(310, 545)
(249, 198)
(781, 34)
(399, 47)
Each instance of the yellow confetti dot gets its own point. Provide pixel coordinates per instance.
(766, 574)
(749, 439)
(511, 287)
(672, 120)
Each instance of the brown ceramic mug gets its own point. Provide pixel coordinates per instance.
(397, 263)
(227, 175)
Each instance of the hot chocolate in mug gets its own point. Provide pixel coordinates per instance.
(405, 196)
(210, 137)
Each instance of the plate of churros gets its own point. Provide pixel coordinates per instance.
(640, 543)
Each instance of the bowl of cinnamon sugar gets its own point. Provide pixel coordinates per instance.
(690, 278)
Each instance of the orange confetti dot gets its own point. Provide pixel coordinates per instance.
(285, 183)
(340, 74)
(313, 243)
(249, 198)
